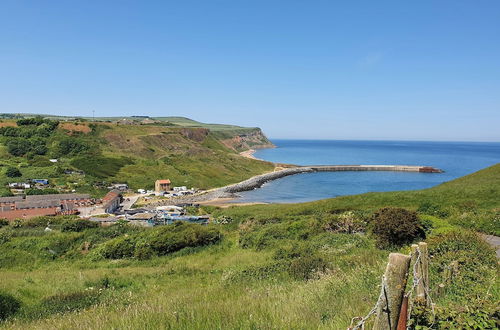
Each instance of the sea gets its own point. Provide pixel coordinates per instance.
(456, 159)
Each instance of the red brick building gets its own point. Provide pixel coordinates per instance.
(19, 207)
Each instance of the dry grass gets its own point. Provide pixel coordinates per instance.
(72, 127)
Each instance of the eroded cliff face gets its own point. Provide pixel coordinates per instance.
(250, 139)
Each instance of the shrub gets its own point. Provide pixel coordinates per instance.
(13, 172)
(307, 267)
(41, 222)
(476, 314)
(18, 146)
(78, 225)
(160, 241)
(35, 191)
(68, 302)
(71, 146)
(4, 222)
(396, 227)
(9, 305)
(169, 239)
(5, 237)
(347, 222)
(118, 248)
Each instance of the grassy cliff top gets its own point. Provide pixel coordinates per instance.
(174, 120)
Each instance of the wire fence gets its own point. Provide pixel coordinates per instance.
(419, 283)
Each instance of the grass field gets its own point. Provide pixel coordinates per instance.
(274, 267)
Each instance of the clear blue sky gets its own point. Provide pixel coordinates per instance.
(425, 70)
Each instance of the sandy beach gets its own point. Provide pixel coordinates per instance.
(226, 202)
(248, 154)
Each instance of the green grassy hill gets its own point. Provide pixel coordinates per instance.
(260, 267)
(138, 154)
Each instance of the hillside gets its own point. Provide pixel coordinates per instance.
(235, 137)
(305, 266)
(472, 201)
(127, 151)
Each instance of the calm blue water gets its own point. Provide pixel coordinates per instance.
(455, 158)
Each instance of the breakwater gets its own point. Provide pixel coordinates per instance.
(259, 180)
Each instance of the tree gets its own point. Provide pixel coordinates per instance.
(13, 172)
(18, 147)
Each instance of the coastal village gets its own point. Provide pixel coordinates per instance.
(116, 205)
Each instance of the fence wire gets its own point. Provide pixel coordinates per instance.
(409, 294)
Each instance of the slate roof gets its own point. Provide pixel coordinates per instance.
(58, 197)
(37, 204)
(11, 199)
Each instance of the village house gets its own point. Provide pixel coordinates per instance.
(119, 186)
(40, 205)
(19, 185)
(162, 185)
(10, 201)
(43, 182)
(106, 221)
(111, 202)
(142, 219)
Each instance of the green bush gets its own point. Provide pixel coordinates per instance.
(71, 146)
(260, 234)
(18, 146)
(160, 241)
(4, 222)
(78, 225)
(5, 237)
(307, 267)
(9, 305)
(396, 227)
(41, 222)
(347, 222)
(476, 314)
(475, 263)
(118, 248)
(68, 302)
(13, 172)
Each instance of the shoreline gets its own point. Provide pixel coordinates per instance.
(229, 192)
(249, 154)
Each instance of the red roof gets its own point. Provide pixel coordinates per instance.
(163, 181)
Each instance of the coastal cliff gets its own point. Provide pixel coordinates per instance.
(251, 138)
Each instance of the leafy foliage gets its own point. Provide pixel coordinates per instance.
(9, 305)
(396, 227)
(69, 302)
(160, 241)
(13, 172)
(78, 225)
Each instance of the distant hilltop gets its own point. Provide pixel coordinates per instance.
(235, 137)
(86, 155)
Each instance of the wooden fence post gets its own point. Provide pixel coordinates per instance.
(388, 309)
(423, 273)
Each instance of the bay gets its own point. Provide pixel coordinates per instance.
(455, 158)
